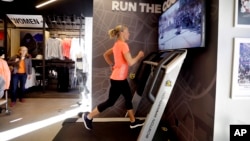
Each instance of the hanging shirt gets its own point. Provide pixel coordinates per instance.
(66, 44)
(32, 81)
(38, 37)
(53, 49)
(77, 48)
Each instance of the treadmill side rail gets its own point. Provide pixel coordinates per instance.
(172, 70)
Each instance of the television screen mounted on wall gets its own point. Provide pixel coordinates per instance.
(182, 25)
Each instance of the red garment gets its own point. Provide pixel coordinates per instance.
(1, 35)
(66, 44)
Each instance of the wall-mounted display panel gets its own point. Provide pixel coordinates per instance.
(241, 68)
(242, 13)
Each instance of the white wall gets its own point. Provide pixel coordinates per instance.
(88, 49)
(228, 111)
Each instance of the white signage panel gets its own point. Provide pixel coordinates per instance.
(31, 21)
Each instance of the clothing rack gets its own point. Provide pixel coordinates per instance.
(60, 63)
(76, 32)
(67, 34)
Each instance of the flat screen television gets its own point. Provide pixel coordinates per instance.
(182, 25)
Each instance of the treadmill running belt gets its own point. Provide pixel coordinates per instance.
(102, 131)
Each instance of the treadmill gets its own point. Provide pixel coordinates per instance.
(159, 87)
(157, 76)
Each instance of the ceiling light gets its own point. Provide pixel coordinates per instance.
(45, 3)
(8, 0)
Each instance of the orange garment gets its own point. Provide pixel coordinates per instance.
(5, 72)
(66, 44)
(21, 68)
(120, 69)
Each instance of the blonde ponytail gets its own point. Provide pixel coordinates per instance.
(115, 32)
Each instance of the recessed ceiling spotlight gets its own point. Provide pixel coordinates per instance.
(7, 0)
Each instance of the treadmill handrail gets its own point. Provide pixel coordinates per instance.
(174, 62)
(156, 73)
(151, 63)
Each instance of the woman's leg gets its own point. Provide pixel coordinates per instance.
(23, 78)
(114, 93)
(93, 113)
(14, 87)
(131, 115)
(126, 92)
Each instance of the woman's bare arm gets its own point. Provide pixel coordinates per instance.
(131, 61)
(107, 54)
